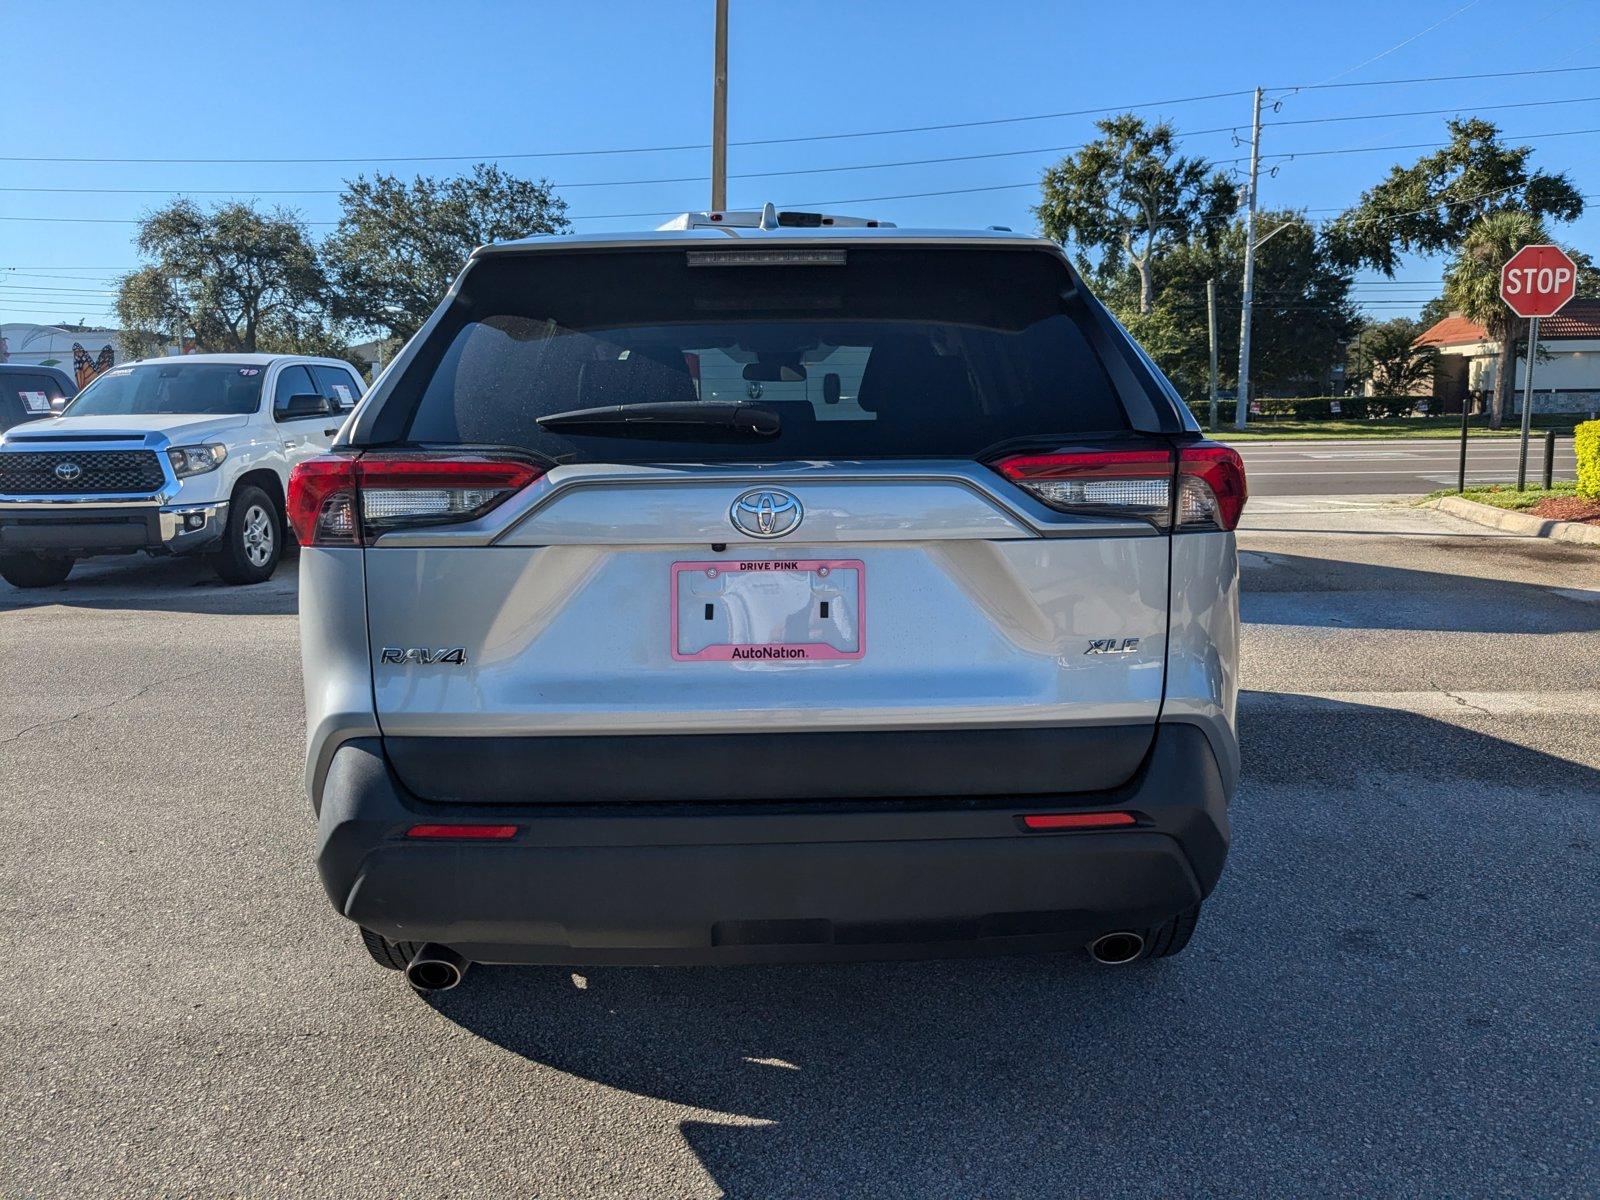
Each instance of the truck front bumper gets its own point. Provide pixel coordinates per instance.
(687, 883)
(80, 530)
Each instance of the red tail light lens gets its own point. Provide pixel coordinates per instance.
(1138, 483)
(1134, 483)
(342, 501)
(322, 502)
(1211, 487)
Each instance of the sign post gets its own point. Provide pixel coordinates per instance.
(1537, 281)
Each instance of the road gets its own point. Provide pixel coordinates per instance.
(1410, 466)
(1392, 993)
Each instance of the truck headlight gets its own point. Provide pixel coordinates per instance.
(196, 460)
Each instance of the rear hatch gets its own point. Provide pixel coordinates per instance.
(841, 523)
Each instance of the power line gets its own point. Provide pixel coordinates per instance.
(872, 166)
(1416, 145)
(1432, 112)
(1311, 87)
(815, 137)
(781, 141)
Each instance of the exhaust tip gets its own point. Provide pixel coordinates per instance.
(436, 968)
(1113, 949)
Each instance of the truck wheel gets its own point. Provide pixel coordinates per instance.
(253, 540)
(393, 955)
(27, 570)
(1173, 935)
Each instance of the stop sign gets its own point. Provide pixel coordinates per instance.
(1538, 281)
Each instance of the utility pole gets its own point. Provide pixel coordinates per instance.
(1242, 408)
(1211, 318)
(719, 114)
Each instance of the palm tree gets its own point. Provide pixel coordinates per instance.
(1472, 288)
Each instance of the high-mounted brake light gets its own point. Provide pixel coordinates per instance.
(339, 500)
(1138, 483)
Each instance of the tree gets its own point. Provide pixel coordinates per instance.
(399, 246)
(1132, 198)
(1428, 207)
(234, 278)
(1304, 317)
(1386, 355)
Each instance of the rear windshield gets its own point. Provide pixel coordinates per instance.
(893, 352)
(25, 397)
(211, 389)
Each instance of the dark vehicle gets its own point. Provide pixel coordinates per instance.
(28, 393)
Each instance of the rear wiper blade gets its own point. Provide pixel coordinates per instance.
(729, 415)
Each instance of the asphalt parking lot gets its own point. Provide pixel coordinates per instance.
(1394, 991)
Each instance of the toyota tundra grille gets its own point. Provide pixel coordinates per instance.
(86, 472)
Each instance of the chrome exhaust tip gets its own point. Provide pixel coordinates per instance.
(436, 968)
(1113, 949)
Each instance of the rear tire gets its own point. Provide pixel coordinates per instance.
(395, 956)
(252, 542)
(1171, 936)
(27, 570)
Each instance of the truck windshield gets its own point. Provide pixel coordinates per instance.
(204, 389)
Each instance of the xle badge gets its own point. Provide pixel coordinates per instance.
(420, 656)
(1113, 646)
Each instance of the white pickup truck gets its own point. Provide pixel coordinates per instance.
(183, 455)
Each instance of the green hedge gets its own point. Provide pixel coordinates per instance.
(1586, 444)
(1314, 408)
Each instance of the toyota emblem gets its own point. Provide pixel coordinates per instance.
(765, 513)
(68, 472)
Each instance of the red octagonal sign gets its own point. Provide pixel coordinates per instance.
(1538, 281)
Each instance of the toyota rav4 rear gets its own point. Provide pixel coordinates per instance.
(757, 594)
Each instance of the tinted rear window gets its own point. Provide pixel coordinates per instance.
(25, 397)
(896, 352)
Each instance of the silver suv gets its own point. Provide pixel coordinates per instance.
(775, 592)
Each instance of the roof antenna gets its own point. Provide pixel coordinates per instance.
(769, 216)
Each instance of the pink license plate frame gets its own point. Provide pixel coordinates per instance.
(789, 652)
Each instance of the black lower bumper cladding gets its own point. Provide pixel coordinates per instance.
(687, 882)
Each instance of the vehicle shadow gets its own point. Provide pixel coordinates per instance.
(1297, 589)
(1362, 989)
(183, 585)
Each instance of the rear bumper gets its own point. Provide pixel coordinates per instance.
(80, 531)
(784, 881)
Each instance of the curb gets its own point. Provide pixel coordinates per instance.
(1516, 522)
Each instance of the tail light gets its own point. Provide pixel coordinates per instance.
(1137, 483)
(1211, 487)
(340, 500)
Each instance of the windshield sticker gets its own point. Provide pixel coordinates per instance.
(342, 391)
(249, 370)
(35, 401)
(117, 372)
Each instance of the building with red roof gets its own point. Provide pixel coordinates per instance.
(1566, 379)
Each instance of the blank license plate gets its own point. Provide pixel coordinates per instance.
(769, 610)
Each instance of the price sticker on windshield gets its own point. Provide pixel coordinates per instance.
(35, 402)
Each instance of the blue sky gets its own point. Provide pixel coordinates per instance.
(361, 80)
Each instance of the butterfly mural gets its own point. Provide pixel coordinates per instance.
(85, 368)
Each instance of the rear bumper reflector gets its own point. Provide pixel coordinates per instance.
(1078, 820)
(465, 832)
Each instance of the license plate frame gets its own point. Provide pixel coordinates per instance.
(770, 651)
